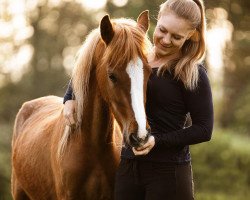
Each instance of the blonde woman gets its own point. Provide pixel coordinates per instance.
(161, 169)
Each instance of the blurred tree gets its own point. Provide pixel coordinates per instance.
(237, 82)
(58, 33)
(13, 34)
(133, 8)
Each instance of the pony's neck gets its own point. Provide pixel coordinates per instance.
(97, 121)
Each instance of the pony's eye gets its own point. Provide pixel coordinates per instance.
(112, 77)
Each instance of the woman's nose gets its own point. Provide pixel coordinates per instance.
(167, 39)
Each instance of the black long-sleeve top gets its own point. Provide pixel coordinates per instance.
(168, 103)
(69, 93)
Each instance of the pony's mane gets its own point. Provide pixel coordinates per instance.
(129, 42)
(81, 72)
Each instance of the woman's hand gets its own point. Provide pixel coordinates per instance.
(69, 112)
(146, 148)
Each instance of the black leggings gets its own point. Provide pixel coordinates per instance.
(141, 180)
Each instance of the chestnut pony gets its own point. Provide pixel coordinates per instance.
(53, 161)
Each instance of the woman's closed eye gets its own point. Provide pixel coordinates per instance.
(163, 30)
(177, 37)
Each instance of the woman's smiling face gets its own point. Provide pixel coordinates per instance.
(170, 34)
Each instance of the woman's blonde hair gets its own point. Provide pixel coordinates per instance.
(193, 50)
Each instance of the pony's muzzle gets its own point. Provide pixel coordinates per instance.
(136, 142)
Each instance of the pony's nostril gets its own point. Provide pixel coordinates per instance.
(149, 130)
(133, 137)
(134, 140)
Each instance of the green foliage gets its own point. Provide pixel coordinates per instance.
(242, 110)
(219, 196)
(221, 167)
(13, 95)
(57, 30)
(137, 7)
(5, 138)
(235, 110)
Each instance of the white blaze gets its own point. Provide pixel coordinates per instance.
(135, 72)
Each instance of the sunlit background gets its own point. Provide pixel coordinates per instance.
(38, 43)
(16, 30)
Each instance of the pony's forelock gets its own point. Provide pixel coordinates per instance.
(129, 43)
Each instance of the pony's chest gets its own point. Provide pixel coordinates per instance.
(98, 185)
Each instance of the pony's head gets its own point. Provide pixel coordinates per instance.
(122, 73)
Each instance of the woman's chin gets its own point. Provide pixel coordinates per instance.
(165, 52)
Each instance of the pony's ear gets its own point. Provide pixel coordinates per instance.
(107, 31)
(143, 20)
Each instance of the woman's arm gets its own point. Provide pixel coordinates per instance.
(200, 105)
(69, 106)
(69, 93)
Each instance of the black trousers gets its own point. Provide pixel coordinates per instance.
(142, 180)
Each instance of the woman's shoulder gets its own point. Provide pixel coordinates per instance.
(203, 85)
(203, 81)
(202, 69)
(203, 74)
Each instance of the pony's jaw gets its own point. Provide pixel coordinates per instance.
(136, 74)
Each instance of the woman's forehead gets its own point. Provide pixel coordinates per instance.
(174, 24)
